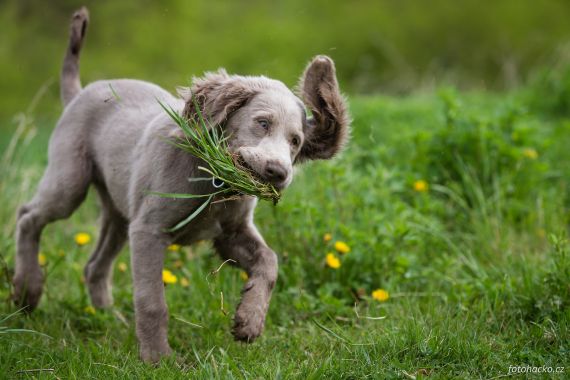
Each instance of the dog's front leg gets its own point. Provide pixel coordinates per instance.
(246, 246)
(151, 313)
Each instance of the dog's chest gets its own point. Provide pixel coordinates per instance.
(206, 228)
(210, 223)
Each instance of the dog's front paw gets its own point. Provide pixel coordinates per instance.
(152, 355)
(248, 323)
(28, 290)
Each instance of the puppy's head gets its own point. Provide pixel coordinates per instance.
(268, 125)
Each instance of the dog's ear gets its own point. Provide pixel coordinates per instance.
(218, 95)
(327, 130)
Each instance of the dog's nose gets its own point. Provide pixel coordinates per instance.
(275, 173)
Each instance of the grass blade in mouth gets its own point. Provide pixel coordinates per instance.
(208, 143)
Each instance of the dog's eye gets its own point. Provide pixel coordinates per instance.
(263, 124)
(295, 141)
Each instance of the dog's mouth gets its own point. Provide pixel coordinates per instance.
(243, 164)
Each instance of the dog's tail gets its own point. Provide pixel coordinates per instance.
(70, 84)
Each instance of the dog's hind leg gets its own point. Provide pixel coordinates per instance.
(61, 190)
(112, 238)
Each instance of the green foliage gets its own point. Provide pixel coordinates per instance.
(550, 92)
(385, 45)
(485, 158)
(476, 264)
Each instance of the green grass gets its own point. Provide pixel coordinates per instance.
(477, 267)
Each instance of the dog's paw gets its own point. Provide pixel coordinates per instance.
(99, 289)
(153, 355)
(248, 324)
(28, 290)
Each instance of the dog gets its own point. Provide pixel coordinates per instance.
(111, 135)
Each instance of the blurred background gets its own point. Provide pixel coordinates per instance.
(385, 46)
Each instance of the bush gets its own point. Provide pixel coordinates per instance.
(549, 93)
(490, 160)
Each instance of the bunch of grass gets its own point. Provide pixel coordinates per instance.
(228, 175)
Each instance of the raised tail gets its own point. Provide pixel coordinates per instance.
(70, 84)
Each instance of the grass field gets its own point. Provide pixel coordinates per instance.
(456, 205)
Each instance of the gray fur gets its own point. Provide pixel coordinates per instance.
(111, 134)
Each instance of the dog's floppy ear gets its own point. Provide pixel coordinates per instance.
(328, 129)
(218, 95)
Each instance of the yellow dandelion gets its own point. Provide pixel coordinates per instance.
(530, 153)
(327, 237)
(42, 259)
(184, 282)
(89, 310)
(243, 275)
(82, 238)
(122, 267)
(341, 247)
(178, 264)
(380, 295)
(168, 277)
(332, 261)
(421, 186)
(174, 247)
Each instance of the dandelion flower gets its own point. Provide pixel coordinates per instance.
(327, 237)
(243, 275)
(174, 247)
(530, 153)
(82, 238)
(168, 277)
(342, 247)
(42, 259)
(380, 295)
(420, 186)
(89, 310)
(332, 261)
(184, 282)
(122, 267)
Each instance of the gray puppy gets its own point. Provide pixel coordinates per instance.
(111, 135)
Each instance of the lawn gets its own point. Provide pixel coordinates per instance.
(456, 205)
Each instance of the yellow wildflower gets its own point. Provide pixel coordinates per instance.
(332, 261)
(420, 186)
(122, 267)
(89, 310)
(380, 295)
(174, 247)
(82, 238)
(243, 275)
(184, 282)
(42, 259)
(327, 237)
(341, 247)
(168, 277)
(530, 153)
